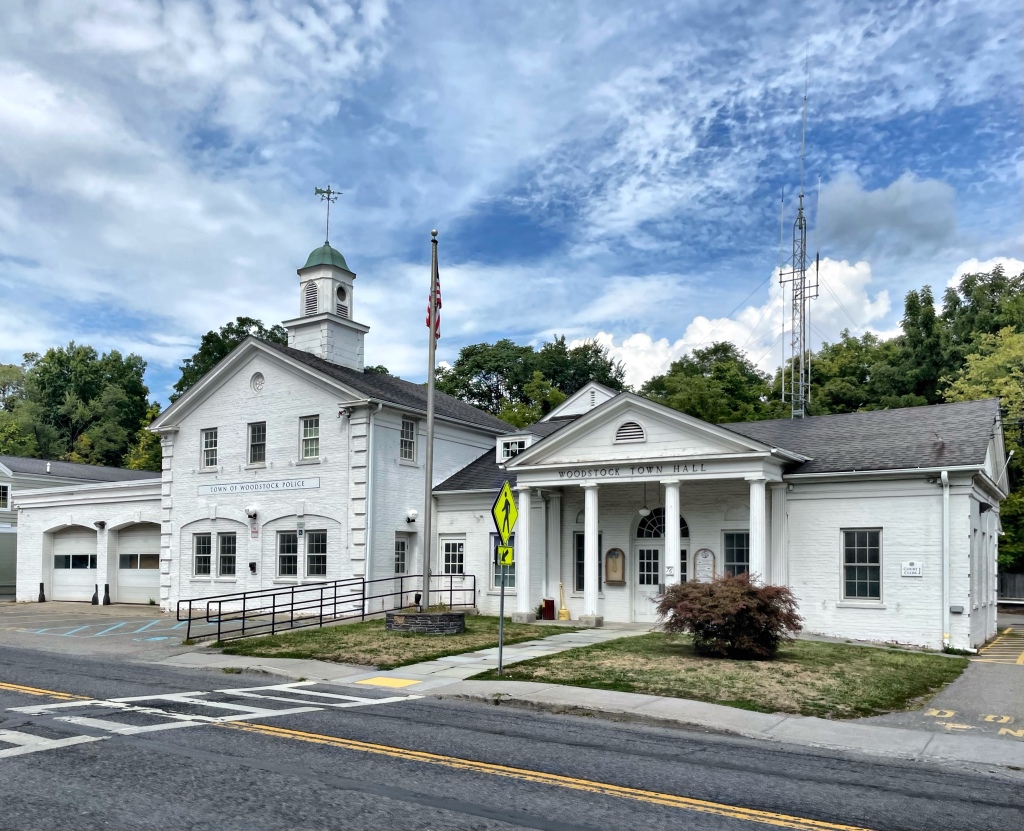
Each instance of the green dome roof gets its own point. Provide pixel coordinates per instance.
(325, 255)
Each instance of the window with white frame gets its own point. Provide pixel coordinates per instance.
(401, 553)
(287, 553)
(5, 497)
(310, 436)
(862, 564)
(496, 567)
(454, 552)
(579, 566)
(202, 560)
(258, 443)
(227, 549)
(316, 553)
(407, 441)
(737, 552)
(683, 565)
(512, 447)
(209, 440)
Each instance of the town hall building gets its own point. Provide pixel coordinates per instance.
(291, 465)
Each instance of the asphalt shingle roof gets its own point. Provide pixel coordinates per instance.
(397, 391)
(72, 470)
(940, 435)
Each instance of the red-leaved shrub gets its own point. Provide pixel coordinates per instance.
(730, 616)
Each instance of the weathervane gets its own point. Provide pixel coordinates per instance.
(327, 195)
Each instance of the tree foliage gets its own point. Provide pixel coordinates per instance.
(731, 617)
(501, 376)
(217, 345)
(145, 452)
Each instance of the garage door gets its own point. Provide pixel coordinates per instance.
(138, 561)
(74, 564)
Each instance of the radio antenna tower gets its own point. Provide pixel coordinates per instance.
(803, 292)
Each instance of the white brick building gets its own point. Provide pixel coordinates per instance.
(291, 465)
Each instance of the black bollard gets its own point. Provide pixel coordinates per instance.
(42, 594)
(106, 594)
(96, 595)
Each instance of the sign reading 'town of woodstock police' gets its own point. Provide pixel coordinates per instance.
(257, 487)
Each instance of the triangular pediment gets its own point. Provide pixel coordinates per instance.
(629, 427)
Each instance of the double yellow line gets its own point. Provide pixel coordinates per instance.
(522, 774)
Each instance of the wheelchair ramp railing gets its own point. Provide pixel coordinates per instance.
(228, 617)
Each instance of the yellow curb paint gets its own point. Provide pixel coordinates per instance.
(538, 777)
(36, 691)
(383, 681)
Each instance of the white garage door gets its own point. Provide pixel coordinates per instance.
(138, 561)
(74, 564)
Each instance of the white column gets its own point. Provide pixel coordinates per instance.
(590, 549)
(672, 540)
(522, 555)
(554, 543)
(780, 561)
(758, 531)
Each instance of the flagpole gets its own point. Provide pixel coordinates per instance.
(429, 473)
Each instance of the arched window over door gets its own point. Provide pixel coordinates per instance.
(652, 526)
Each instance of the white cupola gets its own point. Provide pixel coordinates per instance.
(324, 326)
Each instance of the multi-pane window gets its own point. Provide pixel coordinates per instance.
(310, 434)
(862, 564)
(407, 441)
(227, 548)
(454, 556)
(139, 561)
(202, 549)
(580, 561)
(496, 567)
(652, 526)
(737, 552)
(683, 565)
(258, 443)
(401, 553)
(84, 561)
(209, 448)
(5, 497)
(316, 553)
(288, 554)
(512, 447)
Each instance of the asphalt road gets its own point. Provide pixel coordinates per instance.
(378, 759)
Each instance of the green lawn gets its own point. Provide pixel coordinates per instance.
(830, 680)
(370, 644)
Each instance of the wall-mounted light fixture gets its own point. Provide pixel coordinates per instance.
(101, 524)
(411, 514)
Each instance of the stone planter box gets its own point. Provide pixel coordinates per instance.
(426, 623)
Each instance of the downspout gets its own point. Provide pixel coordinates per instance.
(944, 478)
(367, 572)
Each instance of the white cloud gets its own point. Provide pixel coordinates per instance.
(1011, 266)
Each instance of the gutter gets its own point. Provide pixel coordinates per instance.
(944, 477)
(902, 471)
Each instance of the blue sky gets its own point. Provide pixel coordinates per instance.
(594, 170)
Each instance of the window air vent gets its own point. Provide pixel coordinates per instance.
(630, 431)
(342, 310)
(309, 299)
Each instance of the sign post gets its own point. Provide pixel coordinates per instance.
(504, 513)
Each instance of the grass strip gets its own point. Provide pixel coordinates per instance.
(829, 680)
(370, 644)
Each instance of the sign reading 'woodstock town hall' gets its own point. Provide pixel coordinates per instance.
(630, 470)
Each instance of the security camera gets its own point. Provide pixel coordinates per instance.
(250, 511)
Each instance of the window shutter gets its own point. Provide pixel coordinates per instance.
(630, 431)
(310, 299)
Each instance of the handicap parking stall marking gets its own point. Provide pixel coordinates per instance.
(106, 629)
(300, 694)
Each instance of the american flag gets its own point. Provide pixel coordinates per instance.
(437, 317)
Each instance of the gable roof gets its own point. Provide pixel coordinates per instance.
(397, 391)
(73, 470)
(939, 435)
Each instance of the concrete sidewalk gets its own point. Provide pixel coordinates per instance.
(446, 678)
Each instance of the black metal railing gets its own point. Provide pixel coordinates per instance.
(229, 617)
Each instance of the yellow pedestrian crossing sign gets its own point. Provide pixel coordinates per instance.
(506, 556)
(505, 513)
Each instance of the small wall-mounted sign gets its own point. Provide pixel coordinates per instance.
(912, 568)
(614, 567)
(300, 529)
(704, 565)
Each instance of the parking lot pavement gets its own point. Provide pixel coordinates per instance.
(140, 632)
(988, 699)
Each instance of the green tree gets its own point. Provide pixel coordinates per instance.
(379, 369)
(716, 384)
(982, 304)
(570, 369)
(217, 345)
(13, 440)
(996, 368)
(145, 452)
(543, 398)
(12, 385)
(489, 376)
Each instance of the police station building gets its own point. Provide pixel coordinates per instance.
(289, 465)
